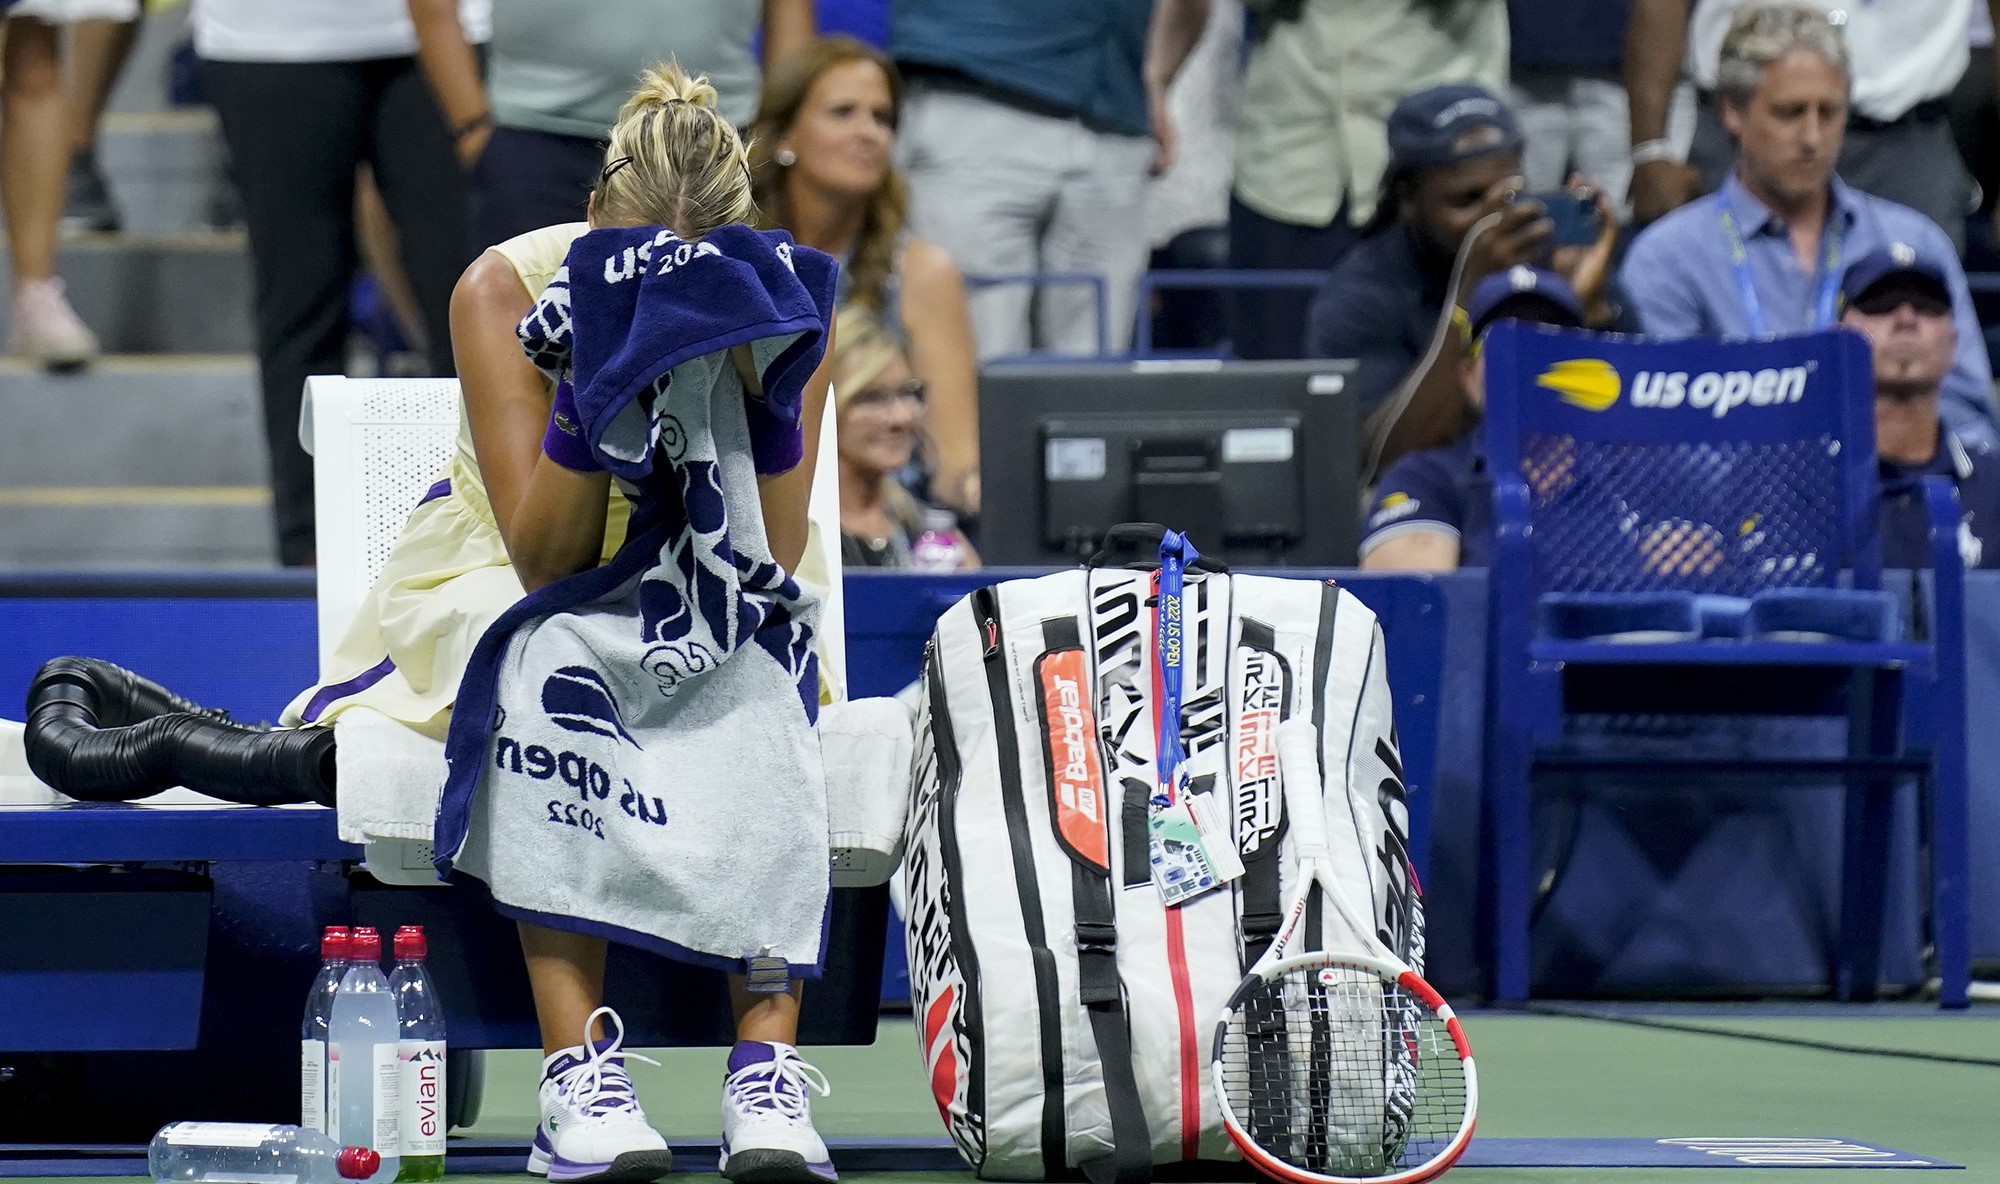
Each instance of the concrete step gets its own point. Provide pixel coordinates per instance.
(167, 171)
(187, 293)
(142, 462)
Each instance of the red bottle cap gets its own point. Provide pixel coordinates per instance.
(357, 1163)
(365, 946)
(334, 942)
(410, 943)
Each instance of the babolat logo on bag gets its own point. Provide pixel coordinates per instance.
(1594, 385)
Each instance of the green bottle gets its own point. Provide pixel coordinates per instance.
(421, 1054)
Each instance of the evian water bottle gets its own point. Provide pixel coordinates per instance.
(362, 1042)
(312, 1034)
(421, 1052)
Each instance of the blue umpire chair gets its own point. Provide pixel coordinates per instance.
(1691, 528)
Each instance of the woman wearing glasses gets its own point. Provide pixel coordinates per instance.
(880, 405)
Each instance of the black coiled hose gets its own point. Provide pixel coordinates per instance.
(100, 733)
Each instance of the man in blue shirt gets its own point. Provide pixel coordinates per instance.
(1763, 256)
(1900, 299)
(1433, 509)
(1027, 136)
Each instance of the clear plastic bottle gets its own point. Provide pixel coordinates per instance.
(312, 1032)
(362, 1041)
(938, 546)
(421, 1052)
(193, 1152)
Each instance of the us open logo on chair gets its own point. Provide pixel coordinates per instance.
(1594, 385)
(1589, 383)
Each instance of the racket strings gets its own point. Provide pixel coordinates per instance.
(1336, 1071)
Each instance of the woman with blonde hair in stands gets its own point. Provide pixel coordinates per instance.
(880, 413)
(820, 156)
(506, 515)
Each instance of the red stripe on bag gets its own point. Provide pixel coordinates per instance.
(943, 1056)
(1177, 967)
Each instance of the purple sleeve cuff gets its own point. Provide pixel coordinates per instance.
(778, 449)
(563, 443)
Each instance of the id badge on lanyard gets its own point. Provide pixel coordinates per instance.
(1825, 300)
(1188, 838)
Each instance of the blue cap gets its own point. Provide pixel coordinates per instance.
(1526, 293)
(1897, 260)
(1447, 124)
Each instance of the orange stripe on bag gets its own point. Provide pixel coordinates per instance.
(1076, 770)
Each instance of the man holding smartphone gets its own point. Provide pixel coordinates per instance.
(1451, 199)
(1433, 509)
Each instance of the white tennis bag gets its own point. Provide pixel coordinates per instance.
(1065, 1012)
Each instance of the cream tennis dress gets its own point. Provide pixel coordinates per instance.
(449, 577)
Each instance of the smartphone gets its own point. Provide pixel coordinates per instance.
(1574, 211)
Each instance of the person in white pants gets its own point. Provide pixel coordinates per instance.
(1029, 132)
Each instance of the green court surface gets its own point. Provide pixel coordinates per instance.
(1549, 1076)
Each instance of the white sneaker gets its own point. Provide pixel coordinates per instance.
(767, 1130)
(592, 1128)
(46, 329)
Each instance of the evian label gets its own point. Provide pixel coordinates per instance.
(422, 1096)
(388, 1114)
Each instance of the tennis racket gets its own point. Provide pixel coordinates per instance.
(1339, 1065)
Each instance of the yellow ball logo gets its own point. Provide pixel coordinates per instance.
(1589, 383)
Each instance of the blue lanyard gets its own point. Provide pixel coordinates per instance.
(1825, 310)
(1169, 640)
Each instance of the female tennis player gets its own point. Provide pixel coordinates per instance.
(453, 573)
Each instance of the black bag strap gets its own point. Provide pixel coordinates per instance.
(1144, 537)
(1138, 851)
(1131, 1158)
(1099, 989)
(1259, 889)
(1262, 908)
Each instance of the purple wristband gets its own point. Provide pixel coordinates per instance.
(563, 443)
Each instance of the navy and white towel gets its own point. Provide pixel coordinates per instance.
(632, 754)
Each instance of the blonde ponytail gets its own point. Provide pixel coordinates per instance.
(673, 160)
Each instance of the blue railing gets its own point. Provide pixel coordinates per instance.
(1047, 279)
(1218, 279)
(1211, 279)
(1180, 279)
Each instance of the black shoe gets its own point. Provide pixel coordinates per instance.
(87, 207)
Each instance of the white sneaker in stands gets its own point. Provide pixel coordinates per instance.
(767, 1130)
(46, 329)
(592, 1128)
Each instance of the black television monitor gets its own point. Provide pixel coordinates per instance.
(1254, 460)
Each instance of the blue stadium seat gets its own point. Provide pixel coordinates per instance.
(1690, 528)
